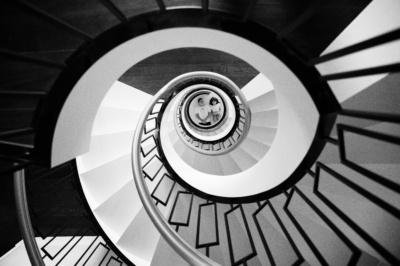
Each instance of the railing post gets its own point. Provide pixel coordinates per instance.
(24, 220)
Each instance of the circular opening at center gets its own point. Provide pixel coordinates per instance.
(206, 109)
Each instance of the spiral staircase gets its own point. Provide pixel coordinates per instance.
(302, 169)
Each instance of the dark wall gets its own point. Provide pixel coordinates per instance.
(153, 73)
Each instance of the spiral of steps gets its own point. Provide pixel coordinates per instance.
(344, 211)
(229, 234)
(264, 120)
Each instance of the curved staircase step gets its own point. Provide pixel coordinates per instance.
(265, 119)
(207, 164)
(123, 205)
(256, 149)
(140, 237)
(265, 135)
(213, 133)
(105, 148)
(188, 156)
(264, 102)
(242, 159)
(111, 120)
(124, 96)
(180, 147)
(173, 135)
(97, 182)
(228, 165)
(257, 87)
(166, 255)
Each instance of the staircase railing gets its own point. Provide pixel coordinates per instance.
(23, 161)
(333, 224)
(24, 220)
(174, 240)
(42, 213)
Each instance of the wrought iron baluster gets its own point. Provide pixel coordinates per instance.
(362, 72)
(375, 41)
(356, 252)
(161, 5)
(261, 234)
(354, 226)
(300, 229)
(369, 174)
(253, 253)
(382, 117)
(204, 5)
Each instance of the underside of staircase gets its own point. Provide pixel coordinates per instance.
(343, 208)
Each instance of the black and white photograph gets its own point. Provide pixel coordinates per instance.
(199, 132)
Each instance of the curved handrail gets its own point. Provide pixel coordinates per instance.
(185, 250)
(24, 220)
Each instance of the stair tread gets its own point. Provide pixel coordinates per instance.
(258, 86)
(188, 156)
(242, 159)
(228, 165)
(140, 237)
(124, 96)
(264, 102)
(112, 119)
(102, 182)
(173, 135)
(105, 148)
(180, 147)
(265, 135)
(265, 119)
(124, 204)
(255, 148)
(207, 164)
(166, 255)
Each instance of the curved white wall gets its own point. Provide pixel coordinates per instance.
(298, 119)
(74, 125)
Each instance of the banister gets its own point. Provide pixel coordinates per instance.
(24, 220)
(185, 250)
